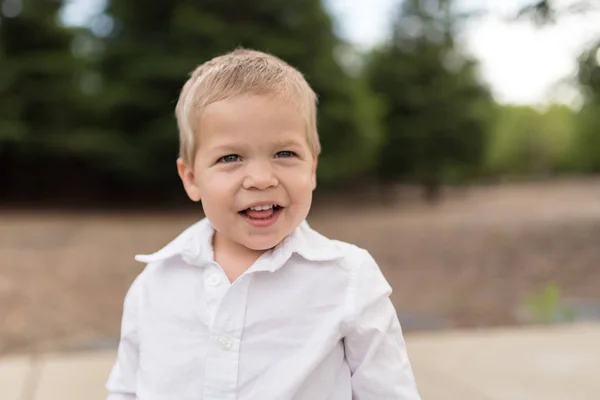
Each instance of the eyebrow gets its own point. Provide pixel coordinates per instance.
(233, 147)
(287, 143)
(224, 148)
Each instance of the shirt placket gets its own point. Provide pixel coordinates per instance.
(222, 361)
(216, 285)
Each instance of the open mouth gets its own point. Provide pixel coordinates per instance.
(264, 212)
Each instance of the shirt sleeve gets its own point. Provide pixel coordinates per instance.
(374, 344)
(121, 384)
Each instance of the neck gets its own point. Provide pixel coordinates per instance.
(233, 258)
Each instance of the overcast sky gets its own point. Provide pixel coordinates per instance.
(520, 62)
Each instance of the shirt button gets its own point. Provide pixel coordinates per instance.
(213, 280)
(224, 342)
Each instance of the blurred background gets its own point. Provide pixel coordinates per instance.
(460, 146)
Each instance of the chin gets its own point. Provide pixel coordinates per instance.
(263, 244)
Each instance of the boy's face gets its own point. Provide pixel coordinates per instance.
(252, 153)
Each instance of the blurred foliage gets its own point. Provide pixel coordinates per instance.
(543, 12)
(547, 306)
(87, 113)
(40, 104)
(150, 53)
(588, 140)
(101, 100)
(435, 110)
(584, 146)
(527, 142)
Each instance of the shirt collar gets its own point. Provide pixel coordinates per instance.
(194, 245)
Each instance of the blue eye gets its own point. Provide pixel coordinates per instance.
(229, 158)
(285, 154)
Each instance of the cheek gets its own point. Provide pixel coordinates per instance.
(300, 184)
(216, 188)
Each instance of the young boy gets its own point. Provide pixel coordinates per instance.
(250, 303)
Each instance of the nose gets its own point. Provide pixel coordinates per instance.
(260, 175)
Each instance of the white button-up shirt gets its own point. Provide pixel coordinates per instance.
(310, 319)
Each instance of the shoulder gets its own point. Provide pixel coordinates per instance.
(183, 250)
(366, 284)
(363, 270)
(187, 242)
(347, 255)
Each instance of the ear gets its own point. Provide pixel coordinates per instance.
(186, 173)
(314, 174)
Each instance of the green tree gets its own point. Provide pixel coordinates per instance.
(588, 140)
(154, 45)
(585, 155)
(560, 127)
(436, 112)
(527, 142)
(40, 103)
(543, 12)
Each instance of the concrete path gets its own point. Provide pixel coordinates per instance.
(549, 363)
(561, 363)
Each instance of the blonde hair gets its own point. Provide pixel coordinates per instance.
(241, 72)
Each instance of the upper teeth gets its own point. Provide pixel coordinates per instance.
(262, 208)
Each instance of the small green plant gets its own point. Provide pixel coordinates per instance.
(547, 306)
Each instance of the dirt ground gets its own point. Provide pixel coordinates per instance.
(470, 261)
